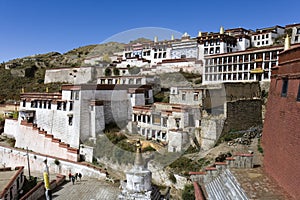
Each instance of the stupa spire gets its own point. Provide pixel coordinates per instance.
(138, 157)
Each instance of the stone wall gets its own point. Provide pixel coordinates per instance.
(242, 115)
(41, 142)
(70, 75)
(17, 157)
(211, 130)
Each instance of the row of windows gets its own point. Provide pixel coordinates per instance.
(122, 81)
(195, 96)
(156, 119)
(47, 104)
(238, 76)
(262, 36)
(146, 132)
(243, 58)
(212, 50)
(263, 43)
(160, 55)
(212, 42)
(241, 67)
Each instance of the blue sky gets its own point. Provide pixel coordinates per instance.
(30, 27)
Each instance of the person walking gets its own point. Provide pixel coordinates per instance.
(73, 179)
(76, 175)
(79, 176)
(70, 176)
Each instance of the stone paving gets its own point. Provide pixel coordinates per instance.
(258, 186)
(87, 189)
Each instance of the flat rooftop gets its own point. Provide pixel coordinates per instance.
(5, 177)
(258, 185)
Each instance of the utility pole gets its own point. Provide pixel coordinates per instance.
(28, 163)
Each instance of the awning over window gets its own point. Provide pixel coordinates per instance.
(257, 71)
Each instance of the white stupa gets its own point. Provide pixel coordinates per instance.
(138, 181)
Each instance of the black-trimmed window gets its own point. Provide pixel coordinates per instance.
(298, 95)
(70, 120)
(183, 96)
(285, 84)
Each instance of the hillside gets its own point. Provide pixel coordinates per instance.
(28, 72)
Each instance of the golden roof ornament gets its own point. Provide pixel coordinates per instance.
(199, 34)
(287, 42)
(222, 30)
(138, 157)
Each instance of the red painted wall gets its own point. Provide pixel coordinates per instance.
(281, 132)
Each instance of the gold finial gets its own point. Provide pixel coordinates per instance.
(172, 37)
(138, 157)
(221, 30)
(22, 90)
(199, 34)
(287, 42)
(155, 39)
(47, 89)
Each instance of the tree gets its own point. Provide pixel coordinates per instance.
(134, 70)
(116, 71)
(107, 72)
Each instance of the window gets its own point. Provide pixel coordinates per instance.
(298, 95)
(58, 105)
(196, 96)
(165, 121)
(218, 50)
(183, 96)
(258, 37)
(267, 36)
(296, 38)
(258, 43)
(64, 106)
(211, 51)
(298, 30)
(45, 104)
(206, 43)
(155, 55)
(156, 119)
(255, 37)
(240, 39)
(263, 37)
(49, 104)
(206, 51)
(164, 55)
(70, 120)
(267, 42)
(262, 43)
(75, 94)
(211, 42)
(24, 103)
(177, 122)
(217, 41)
(284, 87)
(71, 106)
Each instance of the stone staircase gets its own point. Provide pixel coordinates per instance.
(218, 183)
(225, 187)
(56, 143)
